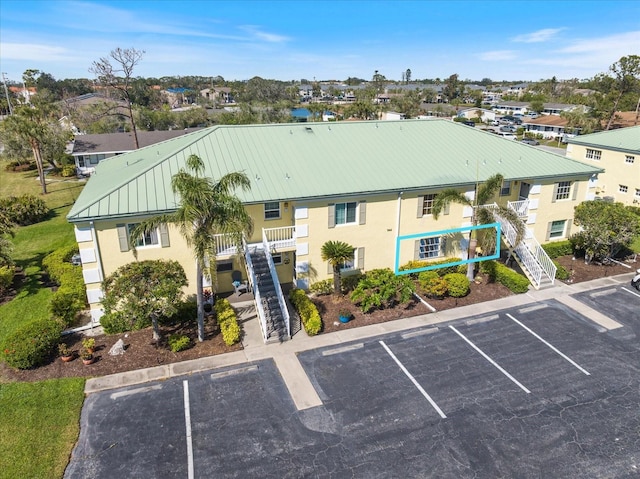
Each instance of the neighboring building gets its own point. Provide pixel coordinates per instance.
(485, 115)
(221, 94)
(557, 108)
(365, 183)
(549, 126)
(618, 153)
(89, 150)
(392, 116)
(512, 107)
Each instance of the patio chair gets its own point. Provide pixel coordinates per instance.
(238, 285)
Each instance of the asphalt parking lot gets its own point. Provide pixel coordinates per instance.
(535, 391)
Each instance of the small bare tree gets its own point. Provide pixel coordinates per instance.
(118, 78)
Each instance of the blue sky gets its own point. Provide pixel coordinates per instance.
(286, 40)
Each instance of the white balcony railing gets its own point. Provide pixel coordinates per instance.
(278, 238)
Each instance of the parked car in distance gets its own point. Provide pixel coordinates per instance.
(508, 128)
(469, 123)
(530, 141)
(494, 123)
(508, 136)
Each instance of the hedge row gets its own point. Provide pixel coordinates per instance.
(228, 322)
(308, 311)
(32, 344)
(436, 286)
(6, 278)
(24, 210)
(558, 248)
(70, 298)
(516, 282)
(415, 264)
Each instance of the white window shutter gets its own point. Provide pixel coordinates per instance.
(363, 212)
(123, 237)
(332, 215)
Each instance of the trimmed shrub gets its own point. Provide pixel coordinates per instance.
(228, 322)
(70, 297)
(432, 284)
(322, 287)
(516, 282)
(57, 262)
(415, 264)
(31, 345)
(68, 171)
(308, 311)
(6, 278)
(561, 272)
(186, 312)
(24, 210)
(178, 342)
(558, 248)
(350, 282)
(381, 288)
(458, 284)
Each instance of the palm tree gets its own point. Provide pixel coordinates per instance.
(336, 253)
(206, 208)
(481, 215)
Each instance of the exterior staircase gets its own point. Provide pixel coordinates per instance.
(270, 304)
(532, 259)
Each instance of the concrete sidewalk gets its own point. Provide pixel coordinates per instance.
(284, 354)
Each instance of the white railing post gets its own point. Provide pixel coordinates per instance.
(256, 292)
(276, 282)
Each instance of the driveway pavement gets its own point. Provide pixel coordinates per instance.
(544, 384)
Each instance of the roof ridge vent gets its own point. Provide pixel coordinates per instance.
(308, 129)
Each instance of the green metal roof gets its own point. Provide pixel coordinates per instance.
(316, 160)
(621, 139)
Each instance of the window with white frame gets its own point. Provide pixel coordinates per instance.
(350, 263)
(623, 188)
(505, 190)
(629, 159)
(277, 258)
(427, 204)
(272, 210)
(430, 247)
(563, 191)
(148, 239)
(557, 229)
(346, 213)
(224, 266)
(594, 155)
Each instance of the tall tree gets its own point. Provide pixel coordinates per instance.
(36, 125)
(606, 228)
(626, 73)
(484, 193)
(452, 87)
(206, 208)
(407, 75)
(116, 73)
(336, 253)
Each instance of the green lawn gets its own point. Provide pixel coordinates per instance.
(39, 425)
(39, 422)
(33, 243)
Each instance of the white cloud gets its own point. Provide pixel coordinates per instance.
(264, 36)
(629, 42)
(498, 55)
(35, 52)
(543, 35)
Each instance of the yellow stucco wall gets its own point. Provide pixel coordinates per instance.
(377, 236)
(618, 173)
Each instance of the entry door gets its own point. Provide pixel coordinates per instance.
(524, 190)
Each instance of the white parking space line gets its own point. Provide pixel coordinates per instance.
(343, 349)
(632, 292)
(413, 380)
(131, 392)
(535, 307)
(551, 346)
(498, 367)
(484, 319)
(421, 332)
(605, 292)
(187, 420)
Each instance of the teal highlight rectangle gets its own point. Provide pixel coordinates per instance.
(477, 259)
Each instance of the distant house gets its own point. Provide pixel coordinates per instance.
(470, 113)
(392, 115)
(89, 150)
(549, 126)
(511, 107)
(557, 108)
(220, 94)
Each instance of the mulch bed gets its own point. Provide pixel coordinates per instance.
(330, 305)
(142, 351)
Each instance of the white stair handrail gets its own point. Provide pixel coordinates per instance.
(256, 292)
(276, 283)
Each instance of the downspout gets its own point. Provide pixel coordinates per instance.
(395, 246)
(98, 256)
